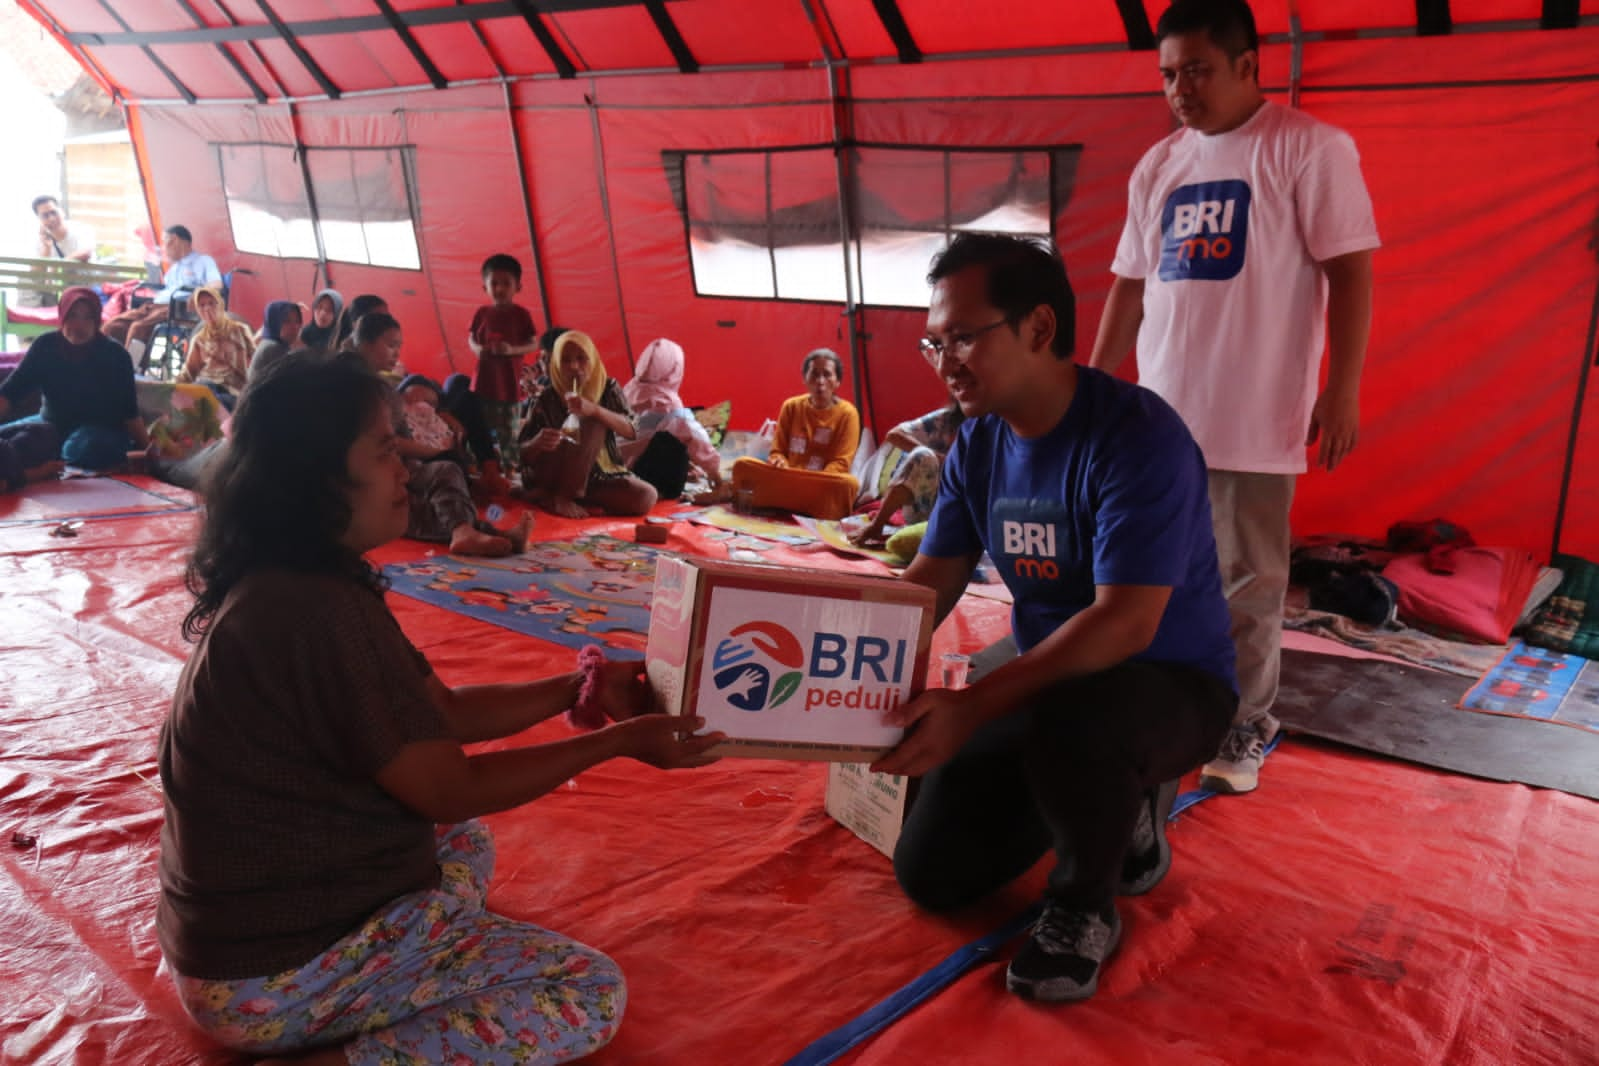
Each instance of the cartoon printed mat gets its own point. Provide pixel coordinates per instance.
(1538, 683)
(595, 589)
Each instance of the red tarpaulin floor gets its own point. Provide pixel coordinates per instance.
(1353, 910)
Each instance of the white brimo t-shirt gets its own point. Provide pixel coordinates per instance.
(1226, 232)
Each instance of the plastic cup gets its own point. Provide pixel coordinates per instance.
(954, 667)
(744, 501)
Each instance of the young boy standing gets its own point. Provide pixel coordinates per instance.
(501, 334)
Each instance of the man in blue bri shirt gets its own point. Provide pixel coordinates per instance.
(1090, 496)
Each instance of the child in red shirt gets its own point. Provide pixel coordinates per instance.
(502, 333)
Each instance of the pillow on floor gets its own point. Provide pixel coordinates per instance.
(1480, 600)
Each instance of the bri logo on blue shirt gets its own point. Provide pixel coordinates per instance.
(1203, 231)
(1030, 546)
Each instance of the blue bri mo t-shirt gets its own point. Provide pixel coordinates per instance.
(1115, 494)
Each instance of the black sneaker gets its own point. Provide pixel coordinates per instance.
(1148, 855)
(1061, 960)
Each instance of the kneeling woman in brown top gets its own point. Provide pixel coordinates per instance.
(322, 879)
(570, 460)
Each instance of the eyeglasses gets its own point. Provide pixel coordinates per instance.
(958, 346)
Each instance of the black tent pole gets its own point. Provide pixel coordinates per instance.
(610, 226)
(527, 206)
(1589, 357)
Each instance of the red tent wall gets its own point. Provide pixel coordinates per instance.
(1485, 192)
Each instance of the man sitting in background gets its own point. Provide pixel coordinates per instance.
(187, 270)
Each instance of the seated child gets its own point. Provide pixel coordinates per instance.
(570, 459)
(442, 510)
(323, 872)
(813, 448)
(913, 454)
(658, 409)
(426, 424)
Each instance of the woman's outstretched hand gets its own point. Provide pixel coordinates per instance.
(667, 741)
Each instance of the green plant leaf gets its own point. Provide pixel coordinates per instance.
(786, 686)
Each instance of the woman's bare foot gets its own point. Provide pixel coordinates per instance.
(519, 533)
(720, 494)
(468, 541)
(566, 508)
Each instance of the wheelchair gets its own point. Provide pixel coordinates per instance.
(169, 341)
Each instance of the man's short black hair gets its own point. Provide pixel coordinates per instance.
(1023, 272)
(548, 338)
(1230, 24)
(181, 233)
(40, 201)
(506, 263)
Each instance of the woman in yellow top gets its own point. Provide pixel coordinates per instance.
(808, 470)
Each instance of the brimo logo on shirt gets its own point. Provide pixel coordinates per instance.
(747, 683)
(1204, 230)
(1032, 546)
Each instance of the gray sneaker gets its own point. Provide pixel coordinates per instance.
(1236, 767)
(1061, 960)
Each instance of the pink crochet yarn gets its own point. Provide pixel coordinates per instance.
(587, 713)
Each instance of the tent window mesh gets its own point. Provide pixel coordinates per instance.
(767, 224)
(364, 209)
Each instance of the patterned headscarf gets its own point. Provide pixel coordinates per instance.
(224, 325)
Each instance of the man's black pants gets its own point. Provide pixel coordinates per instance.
(1067, 771)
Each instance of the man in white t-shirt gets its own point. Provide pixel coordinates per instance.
(1246, 251)
(58, 239)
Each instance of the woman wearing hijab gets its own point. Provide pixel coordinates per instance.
(669, 437)
(280, 331)
(327, 325)
(570, 461)
(87, 382)
(219, 350)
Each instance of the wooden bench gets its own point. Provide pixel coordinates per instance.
(52, 276)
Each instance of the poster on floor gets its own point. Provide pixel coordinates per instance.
(1538, 683)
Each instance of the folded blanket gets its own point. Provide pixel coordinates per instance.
(1480, 600)
(1569, 621)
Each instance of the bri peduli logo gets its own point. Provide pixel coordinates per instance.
(744, 663)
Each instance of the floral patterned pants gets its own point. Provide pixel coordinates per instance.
(432, 979)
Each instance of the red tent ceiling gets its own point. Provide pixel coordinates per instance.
(230, 49)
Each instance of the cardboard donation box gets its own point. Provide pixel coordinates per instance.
(872, 806)
(790, 664)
